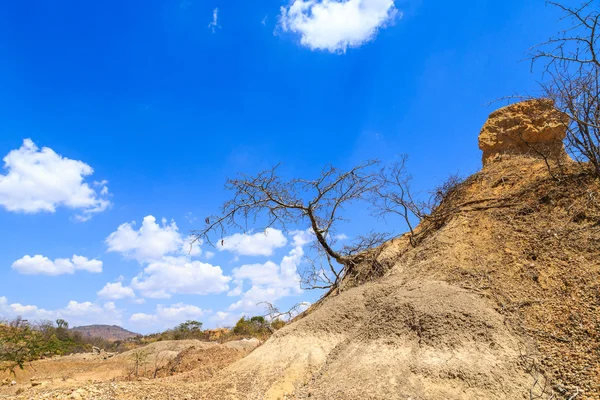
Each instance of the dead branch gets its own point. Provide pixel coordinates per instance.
(570, 60)
(273, 313)
(267, 200)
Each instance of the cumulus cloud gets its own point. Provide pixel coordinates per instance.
(302, 238)
(116, 291)
(75, 313)
(225, 318)
(141, 318)
(40, 265)
(269, 281)
(169, 315)
(180, 275)
(238, 289)
(257, 244)
(168, 259)
(150, 242)
(42, 180)
(191, 247)
(335, 25)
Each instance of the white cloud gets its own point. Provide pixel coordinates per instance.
(151, 242)
(41, 180)
(224, 318)
(179, 311)
(238, 289)
(303, 306)
(40, 265)
(214, 23)
(75, 313)
(168, 257)
(335, 25)
(180, 275)
(169, 316)
(257, 244)
(269, 281)
(249, 303)
(262, 274)
(302, 238)
(143, 318)
(115, 291)
(192, 246)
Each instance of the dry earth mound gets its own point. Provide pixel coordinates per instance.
(501, 292)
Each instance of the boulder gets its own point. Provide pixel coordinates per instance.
(533, 128)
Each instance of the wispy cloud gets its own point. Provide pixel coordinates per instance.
(214, 24)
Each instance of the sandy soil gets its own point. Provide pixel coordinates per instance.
(173, 368)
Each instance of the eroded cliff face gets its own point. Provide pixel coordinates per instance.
(532, 127)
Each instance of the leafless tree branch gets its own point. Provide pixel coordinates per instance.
(273, 313)
(571, 62)
(267, 200)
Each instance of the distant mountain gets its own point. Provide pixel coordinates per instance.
(106, 332)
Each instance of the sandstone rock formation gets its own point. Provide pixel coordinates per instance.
(532, 127)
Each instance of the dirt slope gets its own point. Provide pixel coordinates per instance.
(390, 339)
(504, 291)
(501, 292)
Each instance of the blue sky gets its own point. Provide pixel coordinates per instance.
(120, 121)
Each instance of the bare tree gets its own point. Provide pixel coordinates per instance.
(570, 60)
(268, 200)
(393, 195)
(575, 45)
(138, 359)
(274, 314)
(323, 273)
(159, 363)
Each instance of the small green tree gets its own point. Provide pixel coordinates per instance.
(62, 324)
(255, 326)
(189, 329)
(19, 345)
(190, 326)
